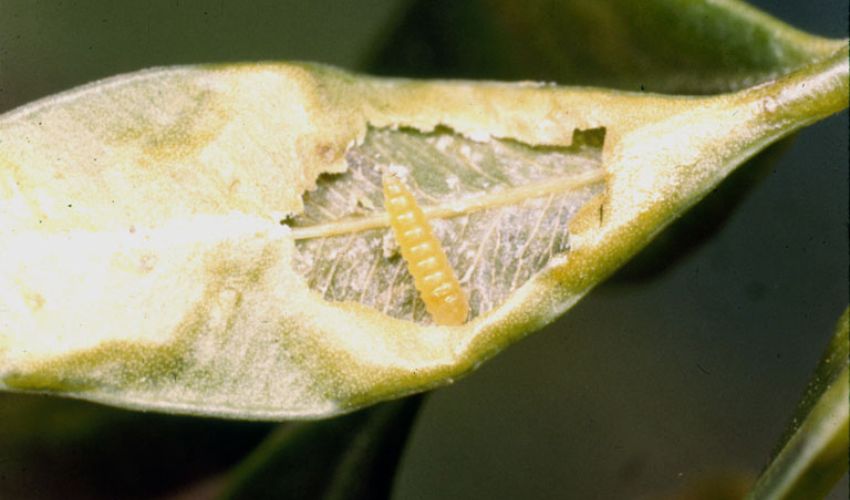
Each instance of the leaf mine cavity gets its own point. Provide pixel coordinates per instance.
(500, 208)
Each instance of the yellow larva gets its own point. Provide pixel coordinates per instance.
(433, 275)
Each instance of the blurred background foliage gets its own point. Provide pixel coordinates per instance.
(679, 374)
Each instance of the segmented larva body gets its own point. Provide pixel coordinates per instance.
(433, 275)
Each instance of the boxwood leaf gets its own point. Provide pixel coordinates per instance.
(812, 455)
(54, 448)
(353, 457)
(211, 240)
(670, 46)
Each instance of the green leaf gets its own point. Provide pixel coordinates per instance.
(143, 261)
(347, 458)
(61, 448)
(671, 46)
(813, 453)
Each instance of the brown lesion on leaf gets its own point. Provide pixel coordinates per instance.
(590, 216)
(327, 152)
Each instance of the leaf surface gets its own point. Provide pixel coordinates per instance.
(670, 46)
(353, 457)
(210, 240)
(812, 456)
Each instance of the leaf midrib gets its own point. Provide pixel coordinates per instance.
(463, 206)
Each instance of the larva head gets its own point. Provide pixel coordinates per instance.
(450, 310)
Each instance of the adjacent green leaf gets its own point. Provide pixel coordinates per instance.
(353, 457)
(813, 453)
(210, 240)
(61, 448)
(671, 46)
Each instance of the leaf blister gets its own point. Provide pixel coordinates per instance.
(497, 214)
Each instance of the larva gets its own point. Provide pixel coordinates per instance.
(426, 260)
